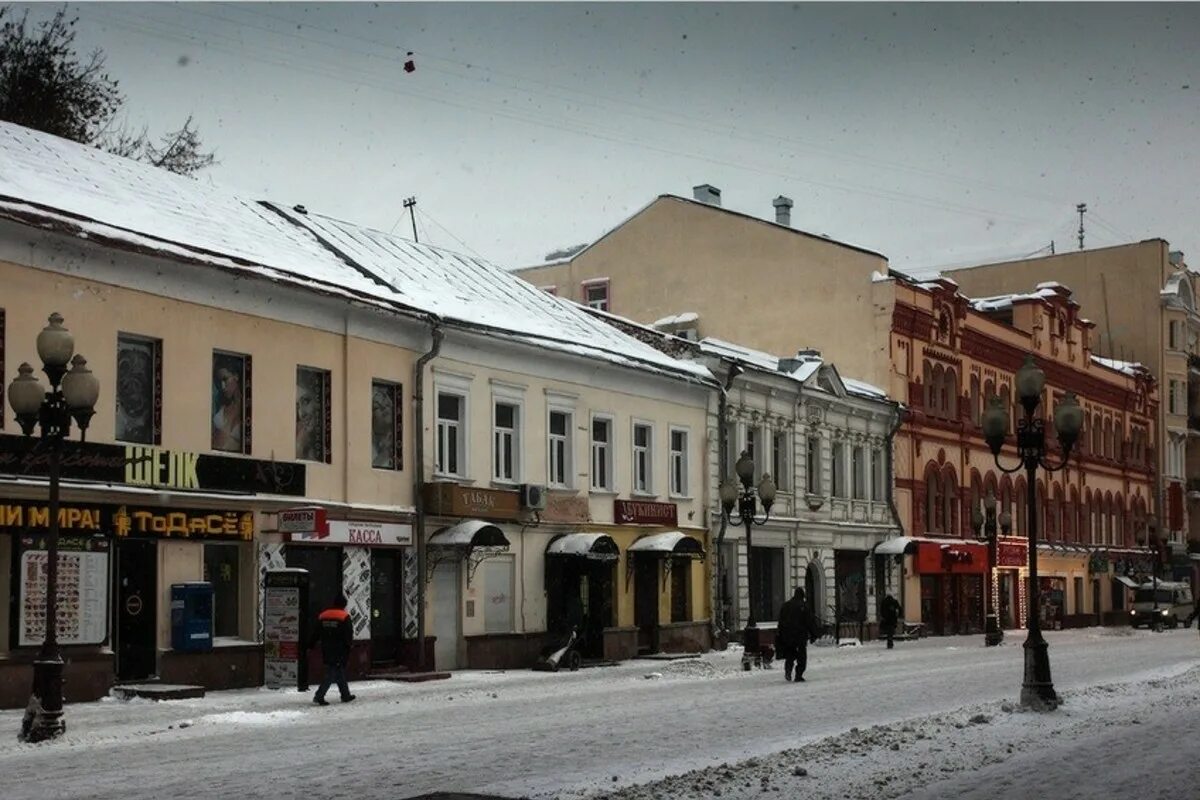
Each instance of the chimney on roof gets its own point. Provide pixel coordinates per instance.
(706, 193)
(783, 211)
(1176, 258)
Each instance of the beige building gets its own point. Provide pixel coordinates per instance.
(700, 270)
(1141, 297)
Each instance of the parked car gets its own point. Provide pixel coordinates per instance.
(1173, 605)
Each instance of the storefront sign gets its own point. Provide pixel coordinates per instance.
(640, 512)
(340, 531)
(307, 521)
(135, 465)
(566, 508)
(951, 557)
(1010, 555)
(82, 606)
(130, 521)
(452, 500)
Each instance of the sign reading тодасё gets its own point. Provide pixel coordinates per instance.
(130, 521)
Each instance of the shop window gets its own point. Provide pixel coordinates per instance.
(595, 295)
(221, 570)
(681, 579)
(451, 455)
(387, 425)
(498, 595)
(560, 458)
(679, 462)
(767, 589)
(506, 442)
(602, 455)
(779, 459)
(643, 458)
(313, 420)
(812, 466)
(139, 389)
(858, 469)
(838, 468)
(231, 410)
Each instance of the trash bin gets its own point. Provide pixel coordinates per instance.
(192, 617)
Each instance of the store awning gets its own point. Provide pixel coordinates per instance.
(469, 534)
(594, 546)
(1127, 581)
(897, 546)
(671, 543)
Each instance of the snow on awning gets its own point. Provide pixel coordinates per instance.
(897, 546)
(671, 543)
(594, 546)
(468, 534)
(1127, 581)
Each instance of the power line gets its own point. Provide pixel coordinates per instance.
(426, 217)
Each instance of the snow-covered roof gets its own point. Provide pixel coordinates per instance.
(863, 388)
(746, 355)
(1130, 368)
(1044, 291)
(801, 368)
(47, 179)
(676, 319)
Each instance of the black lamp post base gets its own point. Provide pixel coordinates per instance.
(993, 635)
(1037, 692)
(41, 722)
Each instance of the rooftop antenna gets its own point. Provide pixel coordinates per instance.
(411, 204)
(1082, 209)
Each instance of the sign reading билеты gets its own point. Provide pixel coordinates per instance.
(124, 521)
(137, 465)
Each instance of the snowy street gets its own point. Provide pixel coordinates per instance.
(1129, 697)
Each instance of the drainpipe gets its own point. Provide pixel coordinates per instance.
(891, 439)
(435, 331)
(735, 369)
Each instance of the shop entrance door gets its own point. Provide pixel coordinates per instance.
(385, 605)
(447, 605)
(136, 610)
(645, 602)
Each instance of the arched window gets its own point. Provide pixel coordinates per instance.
(1020, 512)
(928, 386)
(1108, 438)
(938, 407)
(1097, 436)
(976, 400)
(950, 496)
(1108, 520)
(1040, 509)
(1054, 515)
(951, 408)
(1005, 505)
(1119, 511)
(934, 516)
(1007, 402)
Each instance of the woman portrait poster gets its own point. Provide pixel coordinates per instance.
(228, 402)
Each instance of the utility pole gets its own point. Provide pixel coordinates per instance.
(1051, 247)
(1082, 209)
(411, 204)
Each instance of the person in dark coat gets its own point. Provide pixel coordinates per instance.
(889, 618)
(335, 634)
(796, 629)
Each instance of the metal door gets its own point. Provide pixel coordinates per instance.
(447, 607)
(385, 605)
(136, 609)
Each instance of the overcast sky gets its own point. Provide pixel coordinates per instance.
(937, 134)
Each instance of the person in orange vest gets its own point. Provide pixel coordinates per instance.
(336, 634)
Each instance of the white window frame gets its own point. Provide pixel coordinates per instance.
(878, 493)
(506, 442)
(837, 471)
(812, 464)
(858, 472)
(609, 484)
(509, 394)
(678, 489)
(568, 456)
(642, 484)
(458, 386)
(593, 283)
(780, 462)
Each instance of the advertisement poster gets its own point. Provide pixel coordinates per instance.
(282, 648)
(82, 590)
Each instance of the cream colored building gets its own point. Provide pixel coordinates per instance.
(702, 270)
(1141, 297)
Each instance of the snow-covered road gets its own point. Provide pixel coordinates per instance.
(572, 735)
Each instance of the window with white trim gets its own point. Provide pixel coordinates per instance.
(561, 463)
(752, 440)
(679, 462)
(779, 459)
(877, 475)
(838, 468)
(595, 295)
(451, 444)
(812, 465)
(643, 458)
(1173, 337)
(506, 440)
(602, 454)
(858, 470)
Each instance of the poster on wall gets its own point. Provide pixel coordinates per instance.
(285, 601)
(82, 607)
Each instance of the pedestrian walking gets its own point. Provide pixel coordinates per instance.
(796, 629)
(889, 617)
(335, 634)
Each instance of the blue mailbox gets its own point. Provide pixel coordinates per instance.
(192, 617)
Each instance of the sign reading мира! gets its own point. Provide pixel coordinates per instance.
(124, 521)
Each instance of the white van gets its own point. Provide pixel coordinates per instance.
(1173, 605)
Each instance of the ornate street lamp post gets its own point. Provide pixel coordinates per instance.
(72, 394)
(744, 497)
(1037, 691)
(986, 528)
